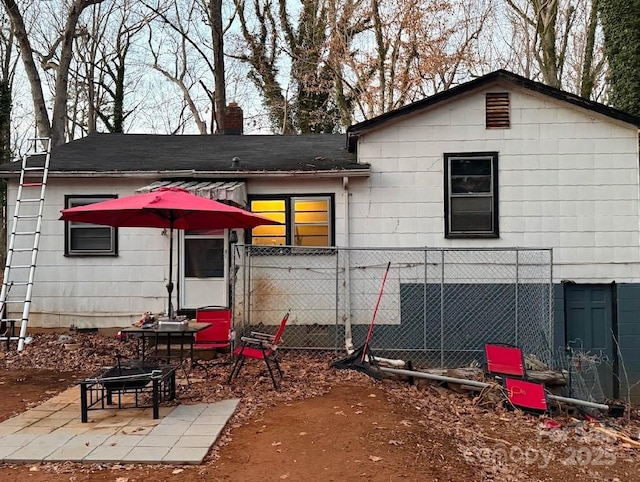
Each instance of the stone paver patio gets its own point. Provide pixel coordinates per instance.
(53, 432)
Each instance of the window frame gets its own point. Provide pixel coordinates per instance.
(289, 219)
(68, 251)
(448, 195)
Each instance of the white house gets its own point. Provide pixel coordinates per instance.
(498, 162)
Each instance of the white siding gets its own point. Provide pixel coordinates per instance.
(568, 179)
(98, 291)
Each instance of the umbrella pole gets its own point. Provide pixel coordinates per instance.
(170, 283)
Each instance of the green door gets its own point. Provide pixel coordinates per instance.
(589, 325)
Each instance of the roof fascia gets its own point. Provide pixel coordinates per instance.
(363, 172)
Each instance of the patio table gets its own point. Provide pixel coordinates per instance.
(185, 333)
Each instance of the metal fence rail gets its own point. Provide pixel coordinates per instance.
(439, 307)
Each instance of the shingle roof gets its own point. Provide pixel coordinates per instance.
(356, 130)
(101, 153)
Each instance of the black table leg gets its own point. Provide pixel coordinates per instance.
(156, 399)
(84, 409)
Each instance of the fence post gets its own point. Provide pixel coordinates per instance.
(346, 263)
(247, 290)
(517, 293)
(337, 301)
(442, 308)
(550, 304)
(424, 300)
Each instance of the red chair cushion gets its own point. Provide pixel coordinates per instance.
(219, 333)
(526, 394)
(251, 352)
(505, 360)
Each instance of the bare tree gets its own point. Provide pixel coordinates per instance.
(169, 45)
(102, 71)
(261, 50)
(8, 61)
(353, 59)
(565, 41)
(191, 48)
(54, 128)
(412, 49)
(213, 8)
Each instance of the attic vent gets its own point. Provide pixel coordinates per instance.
(497, 110)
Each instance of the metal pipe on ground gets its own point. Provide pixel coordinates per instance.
(477, 384)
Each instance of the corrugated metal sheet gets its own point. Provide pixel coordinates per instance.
(233, 191)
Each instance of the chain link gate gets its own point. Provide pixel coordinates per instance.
(440, 306)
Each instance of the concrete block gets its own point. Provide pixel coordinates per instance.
(185, 455)
(145, 454)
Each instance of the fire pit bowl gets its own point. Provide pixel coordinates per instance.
(127, 377)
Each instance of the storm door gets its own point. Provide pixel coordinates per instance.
(204, 269)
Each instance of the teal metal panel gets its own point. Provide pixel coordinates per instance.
(589, 318)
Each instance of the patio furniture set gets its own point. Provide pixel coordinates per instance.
(152, 378)
(167, 208)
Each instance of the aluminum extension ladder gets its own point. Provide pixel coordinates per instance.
(22, 251)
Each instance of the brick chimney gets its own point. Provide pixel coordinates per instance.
(233, 120)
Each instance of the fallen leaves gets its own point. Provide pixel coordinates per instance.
(428, 426)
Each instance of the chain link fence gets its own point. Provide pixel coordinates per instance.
(438, 309)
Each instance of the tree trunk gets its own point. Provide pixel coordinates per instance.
(217, 37)
(547, 15)
(43, 125)
(61, 90)
(5, 119)
(588, 75)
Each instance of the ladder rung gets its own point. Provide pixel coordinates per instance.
(10, 320)
(19, 283)
(14, 301)
(31, 184)
(23, 233)
(28, 216)
(20, 266)
(23, 250)
(29, 200)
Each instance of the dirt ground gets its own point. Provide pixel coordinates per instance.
(330, 425)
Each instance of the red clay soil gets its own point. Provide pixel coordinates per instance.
(329, 425)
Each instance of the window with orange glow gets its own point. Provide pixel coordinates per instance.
(306, 221)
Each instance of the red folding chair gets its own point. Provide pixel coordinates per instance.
(504, 360)
(260, 346)
(218, 337)
(527, 395)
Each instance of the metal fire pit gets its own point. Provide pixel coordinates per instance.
(148, 384)
(128, 377)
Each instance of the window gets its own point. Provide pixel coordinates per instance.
(307, 220)
(204, 254)
(471, 195)
(83, 239)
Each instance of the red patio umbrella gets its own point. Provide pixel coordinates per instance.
(165, 208)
